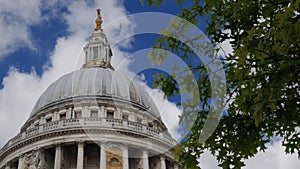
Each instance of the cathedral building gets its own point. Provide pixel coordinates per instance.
(92, 118)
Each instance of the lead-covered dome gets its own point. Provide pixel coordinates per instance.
(95, 83)
(96, 79)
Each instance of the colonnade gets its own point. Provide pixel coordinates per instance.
(103, 149)
(144, 159)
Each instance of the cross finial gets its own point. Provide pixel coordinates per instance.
(98, 21)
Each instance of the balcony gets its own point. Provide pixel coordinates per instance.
(90, 123)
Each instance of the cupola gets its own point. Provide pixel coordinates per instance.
(97, 51)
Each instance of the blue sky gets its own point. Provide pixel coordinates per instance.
(43, 36)
(42, 40)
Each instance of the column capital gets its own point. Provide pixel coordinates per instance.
(58, 147)
(21, 156)
(80, 143)
(125, 143)
(145, 153)
(162, 157)
(125, 148)
(104, 146)
(58, 144)
(37, 148)
(104, 141)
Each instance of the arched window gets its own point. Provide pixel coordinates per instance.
(95, 50)
(133, 93)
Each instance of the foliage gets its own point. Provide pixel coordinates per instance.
(262, 74)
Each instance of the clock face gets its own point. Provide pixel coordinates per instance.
(96, 39)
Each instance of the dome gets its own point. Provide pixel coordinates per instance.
(94, 117)
(95, 83)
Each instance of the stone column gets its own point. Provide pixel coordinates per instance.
(85, 112)
(162, 162)
(125, 158)
(80, 155)
(42, 120)
(101, 112)
(103, 157)
(69, 113)
(55, 116)
(20, 164)
(145, 160)
(57, 161)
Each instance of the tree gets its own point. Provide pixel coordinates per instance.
(262, 76)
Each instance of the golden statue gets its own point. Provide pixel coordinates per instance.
(98, 21)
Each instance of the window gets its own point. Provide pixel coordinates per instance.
(48, 119)
(78, 114)
(95, 50)
(62, 116)
(125, 117)
(133, 93)
(110, 114)
(36, 124)
(139, 120)
(94, 113)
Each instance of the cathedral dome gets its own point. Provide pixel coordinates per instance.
(95, 83)
(91, 118)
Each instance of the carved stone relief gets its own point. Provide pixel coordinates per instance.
(139, 163)
(34, 160)
(154, 162)
(114, 159)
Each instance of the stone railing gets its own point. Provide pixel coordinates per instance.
(86, 123)
(135, 126)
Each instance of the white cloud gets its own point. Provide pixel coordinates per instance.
(15, 19)
(208, 161)
(168, 110)
(273, 158)
(16, 99)
(225, 47)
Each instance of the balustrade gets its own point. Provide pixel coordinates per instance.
(32, 131)
(90, 122)
(152, 131)
(114, 122)
(50, 126)
(135, 126)
(70, 123)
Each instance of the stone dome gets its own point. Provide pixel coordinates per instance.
(97, 83)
